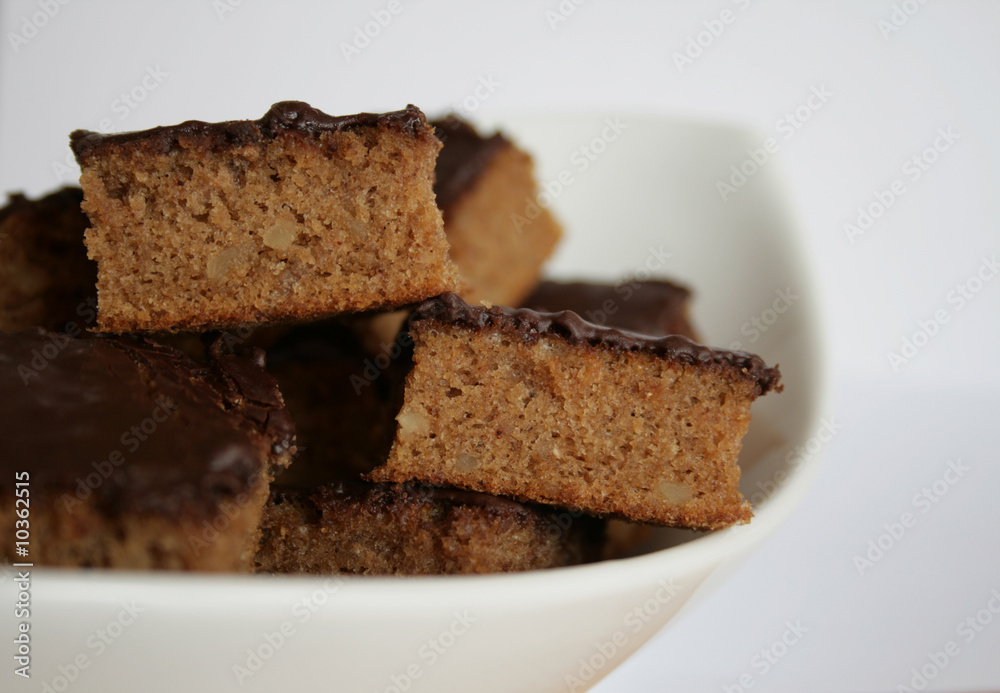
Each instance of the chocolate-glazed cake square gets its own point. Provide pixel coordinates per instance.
(545, 407)
(136, 456)
(293, 217)
(500, 237)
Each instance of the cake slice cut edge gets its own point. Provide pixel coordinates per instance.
(293, 217)
(548, 408)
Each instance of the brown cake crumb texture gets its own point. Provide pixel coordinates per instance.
(388, 529)
(653, 307)
(547, 408)
(90, 537)
(500, 237)
(296, 216)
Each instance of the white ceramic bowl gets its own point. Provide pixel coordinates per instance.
(638, 197)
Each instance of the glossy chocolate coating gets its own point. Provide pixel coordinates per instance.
(138, 425)
(285, 116)
(530, 326)
(464, 157)
(656, 308)
(344, 405)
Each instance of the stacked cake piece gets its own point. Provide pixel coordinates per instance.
(347, 362)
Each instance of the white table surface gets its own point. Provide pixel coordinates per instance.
(916, 451)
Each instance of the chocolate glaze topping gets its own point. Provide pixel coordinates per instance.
(137, 425)
(655, 308)
(530, 326)
(345, 421)
(463, 158)
(284, 116)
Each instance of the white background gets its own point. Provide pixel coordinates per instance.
(892, 87)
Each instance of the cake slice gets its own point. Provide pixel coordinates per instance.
(389, 529)
(551, 409)
(500, 236)
(45, 276)
(135, 456)
(293, 217)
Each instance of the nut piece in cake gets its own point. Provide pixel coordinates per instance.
(45, 276)
(293, 217)
(404, 529)
(551, 409)
(136, 456)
